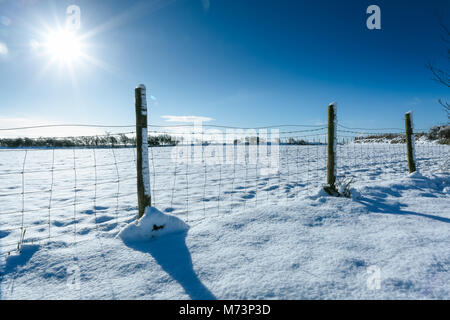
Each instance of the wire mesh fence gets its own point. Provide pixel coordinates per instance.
(61, 193)
(62, 188)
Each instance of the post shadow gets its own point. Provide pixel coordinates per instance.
(171, 253)
(378, 205)
(16, 260)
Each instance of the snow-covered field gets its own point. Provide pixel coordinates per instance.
(250, 234)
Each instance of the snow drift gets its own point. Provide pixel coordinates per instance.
(283, 239)
(152, 224)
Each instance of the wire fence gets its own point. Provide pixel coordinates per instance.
(62, 189)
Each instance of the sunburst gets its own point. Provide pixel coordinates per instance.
(64, 46)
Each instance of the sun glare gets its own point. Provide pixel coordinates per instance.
(63, 46)
(65, 49)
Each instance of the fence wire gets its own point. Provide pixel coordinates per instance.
(61, 189)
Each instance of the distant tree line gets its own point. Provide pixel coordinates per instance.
(123, 140)
(440, 134)
(108, 140)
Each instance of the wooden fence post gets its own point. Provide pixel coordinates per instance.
(410, 142)
(331, 160)
(143, 172)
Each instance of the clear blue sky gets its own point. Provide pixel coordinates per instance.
(241, 63)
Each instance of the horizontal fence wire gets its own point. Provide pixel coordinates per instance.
(75, 188)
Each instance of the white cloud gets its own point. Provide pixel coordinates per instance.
(5, 20)
(184, 119)
(206, 5)
(415, 101)
(196, 122)
(34, 44)
(3, 49)
(39, 128)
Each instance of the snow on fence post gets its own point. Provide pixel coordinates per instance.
(410, 142)
(331, 159)
(143, 172)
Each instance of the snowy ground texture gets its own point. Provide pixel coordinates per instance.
(225, 232)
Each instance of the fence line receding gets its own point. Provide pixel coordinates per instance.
(62, 188)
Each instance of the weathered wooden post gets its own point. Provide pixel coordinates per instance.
(331, 160)
(143, 172)
(410, 142)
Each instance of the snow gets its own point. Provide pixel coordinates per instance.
(247, 236)
(153, 224)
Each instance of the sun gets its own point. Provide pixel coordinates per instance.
(66, 50)
(63, 46)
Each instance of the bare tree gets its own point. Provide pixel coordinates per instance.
(442, 74)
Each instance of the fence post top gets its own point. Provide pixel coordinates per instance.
(141, 86)
(409, 115)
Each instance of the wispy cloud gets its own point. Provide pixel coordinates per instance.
(3, 49)
(206, 4)
(181, 132)
(5, 20)
(415, 101)
(33, 128)
(186, 119)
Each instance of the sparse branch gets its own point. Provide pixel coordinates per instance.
(446, 106)
(442, 74)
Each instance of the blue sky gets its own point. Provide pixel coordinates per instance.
(241, 63)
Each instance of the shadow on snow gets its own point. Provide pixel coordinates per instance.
(171, 253)
(378, 205)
